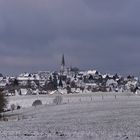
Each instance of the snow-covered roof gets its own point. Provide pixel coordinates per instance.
(55, 92)
(25, 78)
(93, 72)
(81, 72)
(111, 81)
(23, 91)
(24, 74)
(104, 76)
(91, 84)
(2, 84)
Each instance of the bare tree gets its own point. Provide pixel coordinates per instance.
(58, 100)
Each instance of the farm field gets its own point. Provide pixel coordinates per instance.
(92, 116)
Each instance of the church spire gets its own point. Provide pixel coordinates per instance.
(62, 64)
(63, 61)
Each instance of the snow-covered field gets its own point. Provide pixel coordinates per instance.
(98, 116)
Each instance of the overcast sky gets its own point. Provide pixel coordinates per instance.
(93, 34)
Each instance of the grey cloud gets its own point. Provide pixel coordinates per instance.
(92, 34)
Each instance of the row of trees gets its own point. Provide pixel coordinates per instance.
(52, 83)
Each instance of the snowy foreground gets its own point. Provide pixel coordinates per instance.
(80, 117)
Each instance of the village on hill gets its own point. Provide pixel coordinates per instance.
(69, 104)
(66, 81)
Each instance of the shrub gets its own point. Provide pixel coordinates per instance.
(37, 102)
(68, 89)
(3, 102)
(13, 107)
(18, 107)
(58, 100)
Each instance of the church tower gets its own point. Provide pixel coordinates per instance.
(62, 64)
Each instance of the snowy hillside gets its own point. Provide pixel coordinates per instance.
(80, 117)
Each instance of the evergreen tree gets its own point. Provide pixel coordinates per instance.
(55, 82)
(60, 82)
(72, 84)
(50, 78)
(3, 102)
(90, 77)
(15, 82)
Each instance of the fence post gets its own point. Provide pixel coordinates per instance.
(18, 118)
(102, 97)
(91, 98)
